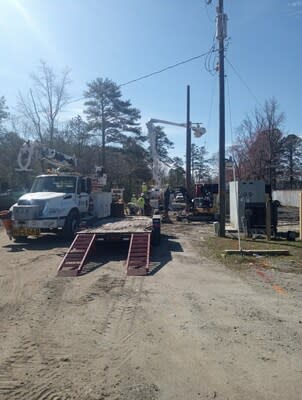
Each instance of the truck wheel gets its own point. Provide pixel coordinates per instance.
(71, 225)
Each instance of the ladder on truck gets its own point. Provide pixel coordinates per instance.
(139, 254)
(76, 255)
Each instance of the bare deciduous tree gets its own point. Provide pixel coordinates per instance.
(44, 101)
(3, 112)
(258, 148)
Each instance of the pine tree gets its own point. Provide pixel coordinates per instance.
(109, 115)
(291, 162)
(163, 144)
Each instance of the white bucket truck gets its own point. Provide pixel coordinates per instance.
(58, 202)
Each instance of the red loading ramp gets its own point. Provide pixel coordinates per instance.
(139, 254)
(75, 257)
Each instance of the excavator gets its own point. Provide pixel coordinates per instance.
(204, 205)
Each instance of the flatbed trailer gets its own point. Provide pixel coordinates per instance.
(119, 228)
(140, 231)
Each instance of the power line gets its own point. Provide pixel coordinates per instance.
(211, 51)
(230, 111)
(206, 3)
(167, 68)
(211, 58)
(233, 166)
(243, 81)
(211, 102)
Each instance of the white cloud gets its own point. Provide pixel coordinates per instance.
(297, 3)
(295, 8)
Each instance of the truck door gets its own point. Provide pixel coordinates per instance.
(82, 196)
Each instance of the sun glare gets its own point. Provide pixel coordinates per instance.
(28, 19)
(18, 17)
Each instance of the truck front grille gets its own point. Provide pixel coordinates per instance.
(26, 212)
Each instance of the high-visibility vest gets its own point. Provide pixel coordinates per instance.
(141, 202)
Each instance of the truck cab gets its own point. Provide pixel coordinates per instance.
(55, 203)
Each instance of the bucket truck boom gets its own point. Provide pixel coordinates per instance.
(198, 131)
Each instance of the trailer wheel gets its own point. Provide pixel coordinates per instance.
(71, 225)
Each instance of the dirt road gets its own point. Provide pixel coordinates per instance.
(194, 329)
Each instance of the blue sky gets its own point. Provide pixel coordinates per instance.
(125, 39)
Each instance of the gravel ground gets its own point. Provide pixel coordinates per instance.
(193, 329)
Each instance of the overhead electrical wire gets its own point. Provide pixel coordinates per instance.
(157, 72)
(244, 82)
(207, 11)
(211, 51)
(233, 166)
(167, 68)
(211, 102)
(210, 60)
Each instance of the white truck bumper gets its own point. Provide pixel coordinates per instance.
(34, 227)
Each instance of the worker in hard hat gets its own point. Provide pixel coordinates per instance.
(144, 188)
(141, 203)
(167, 201)
(133, 199)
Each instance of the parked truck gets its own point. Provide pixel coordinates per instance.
(58, 201)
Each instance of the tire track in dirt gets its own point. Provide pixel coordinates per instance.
(120, 335)
(123, 338)
(10, 289)
(36, 357)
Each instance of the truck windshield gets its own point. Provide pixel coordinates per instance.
(59, 184)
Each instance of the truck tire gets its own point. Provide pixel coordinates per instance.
(71, 225)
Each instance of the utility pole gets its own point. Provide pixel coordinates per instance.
(188, 145)
(220, 36)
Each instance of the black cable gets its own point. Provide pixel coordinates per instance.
(245, 84)
(166, 68)
(212, 50)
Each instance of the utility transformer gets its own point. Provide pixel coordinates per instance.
(249, 204)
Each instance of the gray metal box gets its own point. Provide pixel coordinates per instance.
(243, 192)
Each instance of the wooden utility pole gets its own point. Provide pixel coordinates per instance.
(188, 146)
(268, 216)
(300, 214)
(221, 35)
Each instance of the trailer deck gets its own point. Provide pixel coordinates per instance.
(136, 229)
(120, 227)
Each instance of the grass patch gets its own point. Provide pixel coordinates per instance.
(215, 247)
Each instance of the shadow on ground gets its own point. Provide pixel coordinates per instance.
(45, 242)
(105, 252)
(161, 255)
